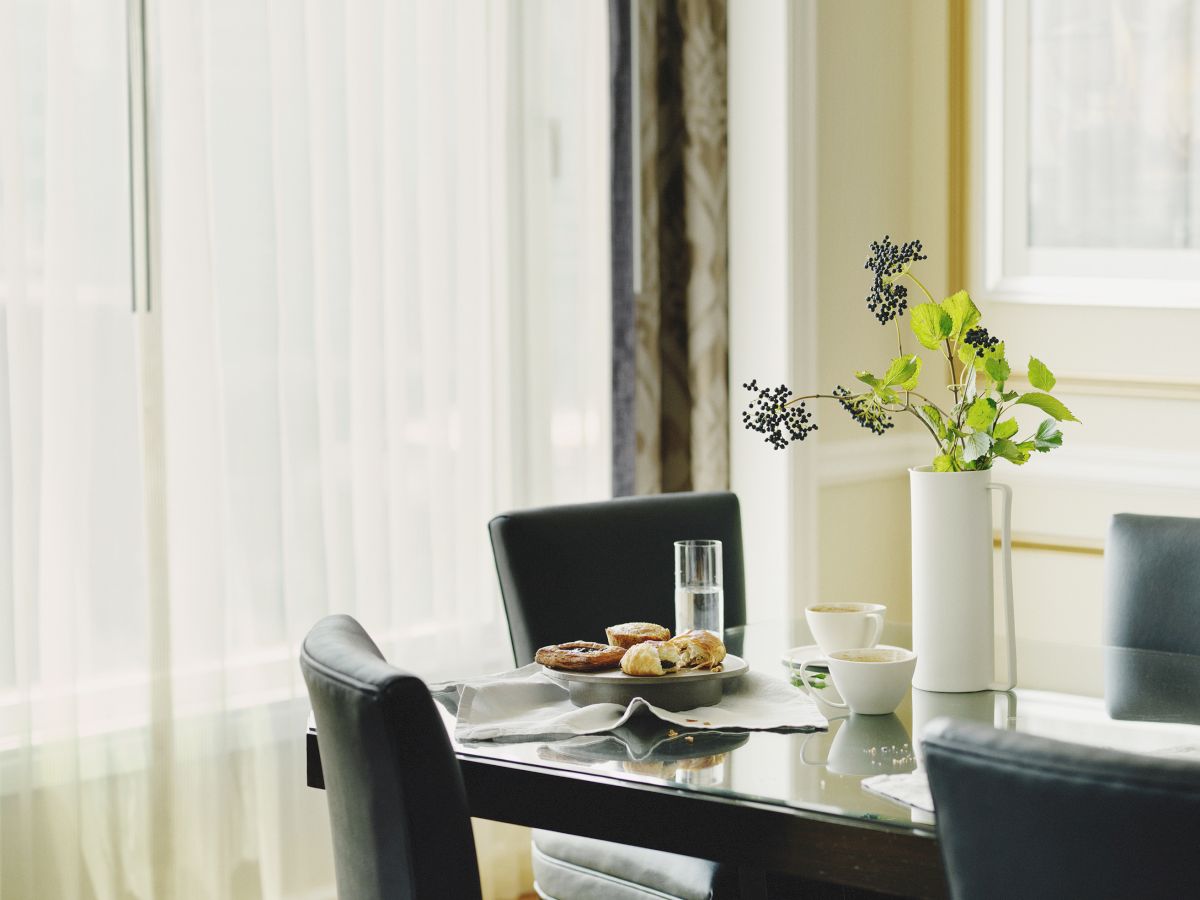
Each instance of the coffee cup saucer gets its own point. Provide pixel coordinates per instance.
(811, 653)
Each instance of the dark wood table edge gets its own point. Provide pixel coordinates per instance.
(808, 844)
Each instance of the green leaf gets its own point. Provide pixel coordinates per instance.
(969, 387)
(868, 379)
(933, 416)
(903, 372)
(1014, 453)
(977, 445)
(882, 391)
(1039, 376)
(1048, 436)
(967, 355)
(963, 313)
(1050, 405)
(942, 463)
(1004, 430)
(997, 369)
(982, 414)
(971, 357)
(1009, 395)
(931, 324)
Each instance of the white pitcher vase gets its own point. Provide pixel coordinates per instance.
(952, 587)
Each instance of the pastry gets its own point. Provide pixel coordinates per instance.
(699, 649)
(580, 656)
(635, 632)
(650, 658)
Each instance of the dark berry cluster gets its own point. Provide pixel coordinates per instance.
(769, 415)
(888, 299)
(980, 339)
(864, 410)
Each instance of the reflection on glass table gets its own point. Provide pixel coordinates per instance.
(1153, 699)
(647, 746)
(862, 745)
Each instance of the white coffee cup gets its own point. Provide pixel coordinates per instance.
(871, 680)
(845, 626)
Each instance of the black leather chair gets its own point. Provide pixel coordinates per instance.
(565, 573)
(1152, 573)
(1152, 578)
(1023, 816)
(397, 806)
(568, 571)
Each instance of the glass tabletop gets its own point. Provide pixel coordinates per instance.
(1134, 700)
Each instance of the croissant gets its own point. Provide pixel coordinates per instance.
(698, 649)
(650, 658)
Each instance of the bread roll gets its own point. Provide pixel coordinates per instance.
(631, 633)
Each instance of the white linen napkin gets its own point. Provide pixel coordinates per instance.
(526, 705)
(910, 789)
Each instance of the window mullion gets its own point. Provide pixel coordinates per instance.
(147, 310)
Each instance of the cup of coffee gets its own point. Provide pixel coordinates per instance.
(871, 680)
(845, 626)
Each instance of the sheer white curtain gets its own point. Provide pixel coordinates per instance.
(380, 316)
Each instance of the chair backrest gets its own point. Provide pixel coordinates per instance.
(567, 572)
(1023, 816)
(397, 807)
(1152, 577)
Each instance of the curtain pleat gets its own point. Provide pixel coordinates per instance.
(622, 82)
(707, 210)
(680, 308)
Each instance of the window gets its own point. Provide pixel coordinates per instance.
(377, 252)
(1088, 126)
(380, 248)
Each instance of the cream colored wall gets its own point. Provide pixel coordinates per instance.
(881, 170)
(860, 561)
(1129, 373)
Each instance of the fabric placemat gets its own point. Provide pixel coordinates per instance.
(525, 704)
(910, 789)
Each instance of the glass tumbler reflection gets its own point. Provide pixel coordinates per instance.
(699, 587)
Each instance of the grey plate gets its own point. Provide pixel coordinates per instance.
(677, 691)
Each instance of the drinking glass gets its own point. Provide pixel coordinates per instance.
(699, 587)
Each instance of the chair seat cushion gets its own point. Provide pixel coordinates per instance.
(568, 867)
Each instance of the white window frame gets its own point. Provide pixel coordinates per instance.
(1004, 267)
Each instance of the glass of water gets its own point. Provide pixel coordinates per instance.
(699, 587)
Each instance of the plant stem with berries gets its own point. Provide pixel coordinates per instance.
(974, 433)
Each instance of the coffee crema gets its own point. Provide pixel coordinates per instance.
(871, 656)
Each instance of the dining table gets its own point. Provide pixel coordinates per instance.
(783, 806)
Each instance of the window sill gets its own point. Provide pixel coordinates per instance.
(1132, 293)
